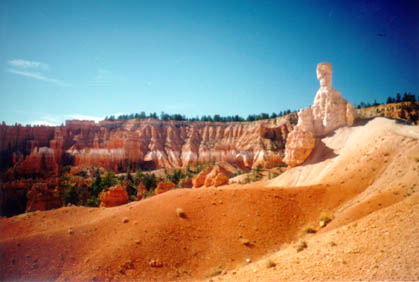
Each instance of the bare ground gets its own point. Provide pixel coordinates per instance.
(365, 177)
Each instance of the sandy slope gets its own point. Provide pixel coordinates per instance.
(380, 246)
(365, 176)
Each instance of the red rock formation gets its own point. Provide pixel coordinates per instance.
(115, 196)
(163, 187)
(216, 177)
(220, 179)
(21, 140)
(152, 143)
(211, 176)
(41, 198)
(199, 179)
(41, 161)
(186, 183)
(149, 143)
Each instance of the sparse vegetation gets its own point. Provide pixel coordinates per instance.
(245, 242)
(407, 97)
(205, 118)
(215, 272)
(270, 263)
(100, 184)
(310, 230)
(324, 220)
(301, 245)
(149, 181)
(175, 176)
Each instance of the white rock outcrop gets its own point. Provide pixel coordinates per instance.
(300, 143)
(328, 112)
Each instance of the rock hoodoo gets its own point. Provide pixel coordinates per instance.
(328, 112)
(163, 187)
(41, 198)
(115, 196)
(211, 176)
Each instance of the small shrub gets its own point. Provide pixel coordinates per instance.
(257, 177)
(150, 181)
(310, 230)
(215, 272)
(324, 220)
(247, 179)
(148, 194)
(238, 172)
(269, 263)
(258, 169)
(245, 242)
(301, 246)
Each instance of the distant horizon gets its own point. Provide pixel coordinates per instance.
(111, 118)
(63, 60)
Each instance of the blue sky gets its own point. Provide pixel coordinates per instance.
(87, 59)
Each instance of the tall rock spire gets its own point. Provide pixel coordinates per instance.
(328, 112)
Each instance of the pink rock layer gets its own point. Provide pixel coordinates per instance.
(146, 144)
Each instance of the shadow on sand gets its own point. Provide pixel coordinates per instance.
(320, 153)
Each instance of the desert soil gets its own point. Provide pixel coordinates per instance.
(365, 178)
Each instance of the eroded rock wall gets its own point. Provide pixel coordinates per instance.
(147, 144)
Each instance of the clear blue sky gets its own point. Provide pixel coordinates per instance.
(75, 59)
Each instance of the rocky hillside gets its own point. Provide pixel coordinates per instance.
(150, 144)
(146, 144)
(362, 178)
(404, 110)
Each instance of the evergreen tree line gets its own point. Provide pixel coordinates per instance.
(215, 118)
(407, 97)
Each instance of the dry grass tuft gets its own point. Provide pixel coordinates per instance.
(310, 230)
(325, 220)
(301, 246)
(270, 263)
(215, 272)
